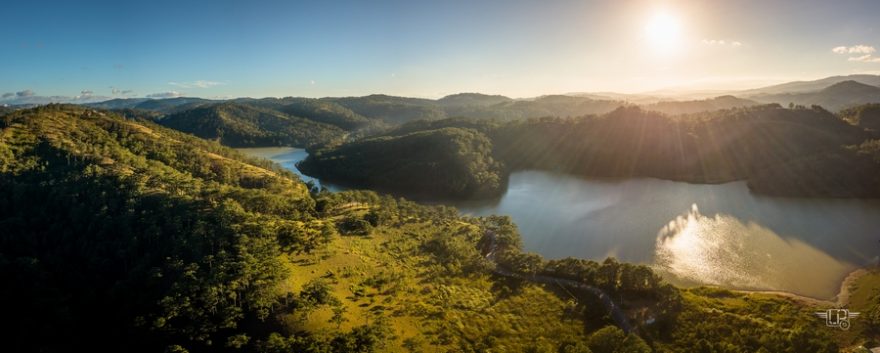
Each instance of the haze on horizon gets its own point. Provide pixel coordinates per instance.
(95, 50)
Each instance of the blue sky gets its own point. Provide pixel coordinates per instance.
(423, 48)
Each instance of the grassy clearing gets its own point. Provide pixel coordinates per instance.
(386, 277)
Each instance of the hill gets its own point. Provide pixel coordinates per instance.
(391, 109)
(838, 96)
(471, 99)
(240, 125)
(697, 106)
(164, 106)
(118, 103)
(131, 246)
(121, 235)
(317, 110)
(762, 144)
(545, 106)
(445, 163)
(809, 86)
(866, 116)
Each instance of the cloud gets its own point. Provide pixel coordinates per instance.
(118, 91)
(84, 95)
(29, 97)
(196, 84)
(865, 50)
(722, 43)
(867, 58)
(855, 49)
(169, 94)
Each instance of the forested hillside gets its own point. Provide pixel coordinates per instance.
(698, 106)
(240, 125)
(544, 106)
(120, 235)
(391, 109)
(449, 162)
(841, 95)
(865, 116)
(163, 106)
(796, 152)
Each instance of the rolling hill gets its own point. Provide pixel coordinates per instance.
(441, 163)
(472, 99)
(844, 94)
(241, 125)
(792, 152)
(696, 106)
(391, 109)
(164, 106)
(809, 86)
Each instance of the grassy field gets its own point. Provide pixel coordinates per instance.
(386, 277)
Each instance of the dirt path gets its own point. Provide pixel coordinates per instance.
(616, 313)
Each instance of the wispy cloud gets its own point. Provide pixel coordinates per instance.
(722, 43)
(25, 93)
(118, 91)
(30, 97)
(866, 50)
(84, 94)
(196, 84)
(867, 58)
(169, 94)
(855, 49)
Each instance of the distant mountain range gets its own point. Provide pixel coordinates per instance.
(351, 113)
(837, 96)
(809, 86)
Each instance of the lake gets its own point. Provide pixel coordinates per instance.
(287, 157)
(718, 234)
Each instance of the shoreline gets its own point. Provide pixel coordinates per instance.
(839, 300)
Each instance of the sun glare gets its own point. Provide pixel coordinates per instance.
(663, 32)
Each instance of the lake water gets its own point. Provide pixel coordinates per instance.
(287, 157)
(690, 233)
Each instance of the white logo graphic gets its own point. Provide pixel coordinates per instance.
(837, 317)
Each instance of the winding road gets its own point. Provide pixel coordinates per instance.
(616, 313)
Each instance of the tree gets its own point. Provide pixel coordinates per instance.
(576, 347)
(633, 344)
(338, 315)
(606, 340)
(318, 292)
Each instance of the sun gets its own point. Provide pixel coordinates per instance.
(663, 32)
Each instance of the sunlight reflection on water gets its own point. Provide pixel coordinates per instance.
(721, 250)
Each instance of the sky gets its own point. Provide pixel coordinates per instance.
(92, 50)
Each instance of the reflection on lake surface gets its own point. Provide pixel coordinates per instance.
(691, 233)
(724, 251)
(694, 233)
